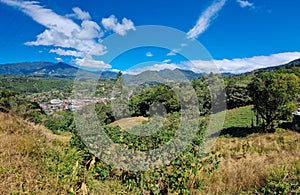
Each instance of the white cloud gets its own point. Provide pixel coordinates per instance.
(245, 3)
(89, 30)
(90, 62)
(63, 52)
(237, 65)
(206, 18)
(84, 39)
(60, 31)
(98, 50)
(173, 52)
(183, 44)
(155, 67)
(112, 23)
(81, 15)
(66, 37)
(149, 54)
(242, 65)
(115, 70)
(200, 66)
(59, 59)
(167, 61)
(44, 16)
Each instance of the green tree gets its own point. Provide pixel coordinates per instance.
(237, 96)
(140, 104)
(5, 97)
(273, 96)
(105, 113)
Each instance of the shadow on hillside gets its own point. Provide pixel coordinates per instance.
(238, 131)
(288, 126)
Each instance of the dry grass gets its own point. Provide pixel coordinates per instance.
(128, 123)
(22, 169)
(247, 162)
(35, 161)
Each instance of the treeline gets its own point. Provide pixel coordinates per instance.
(29, 85)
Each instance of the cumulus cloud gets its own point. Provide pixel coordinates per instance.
(89, 30)
(66, 37)
(245, 3)
(206, 18)
(111, 23)
(149, 54)
(90, 62)
(80, 14)
(63, 52)
(83, 38)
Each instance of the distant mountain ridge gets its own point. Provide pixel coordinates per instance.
(162, 76)
(50, 69)
(294, 63)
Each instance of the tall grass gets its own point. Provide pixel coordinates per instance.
(248, 161)
(33, 162)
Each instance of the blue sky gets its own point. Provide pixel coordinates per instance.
(239, 35)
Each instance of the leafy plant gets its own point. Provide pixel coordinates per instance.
(273, 96)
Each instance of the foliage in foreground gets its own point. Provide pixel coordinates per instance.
(177, 176)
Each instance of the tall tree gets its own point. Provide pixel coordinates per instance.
(273, 96)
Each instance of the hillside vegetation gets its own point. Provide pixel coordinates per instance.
(34, 161)
(254, 162)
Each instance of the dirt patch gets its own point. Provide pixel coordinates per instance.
(128, 123)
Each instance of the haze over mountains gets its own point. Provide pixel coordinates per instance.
(50, 69)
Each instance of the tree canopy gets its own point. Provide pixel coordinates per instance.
(273, 95)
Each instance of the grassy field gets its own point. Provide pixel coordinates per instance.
(239, 117)
(128, 123)
(35, 161)
(254, 163)
(238, 122)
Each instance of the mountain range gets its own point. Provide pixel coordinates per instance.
(48, 69)
(63, 70)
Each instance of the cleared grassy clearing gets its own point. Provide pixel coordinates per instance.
(128, 123)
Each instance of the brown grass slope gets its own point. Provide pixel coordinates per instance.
(248, 162)
(24, 165)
